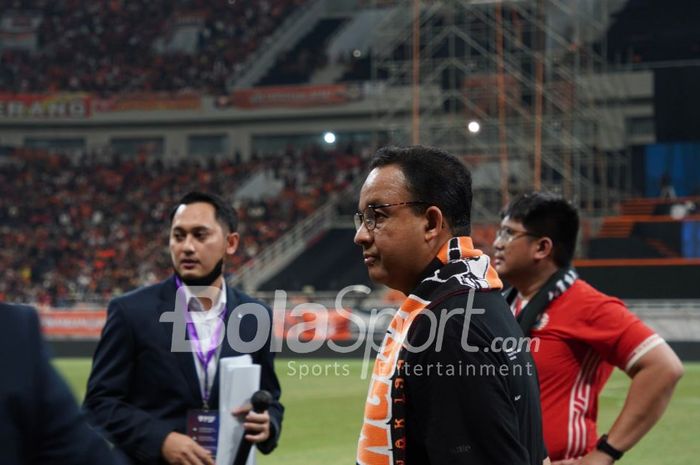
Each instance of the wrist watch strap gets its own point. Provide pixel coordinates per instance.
(606, 448)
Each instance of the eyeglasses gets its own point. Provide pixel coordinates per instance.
(369, 216)
(507, 235)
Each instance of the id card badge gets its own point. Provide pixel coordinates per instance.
(203, 428)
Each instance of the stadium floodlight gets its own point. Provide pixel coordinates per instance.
(329, 138)
(474, 127)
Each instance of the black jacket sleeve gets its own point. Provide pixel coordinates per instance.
(45, 424)
(137, 432)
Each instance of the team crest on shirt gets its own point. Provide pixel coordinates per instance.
(541, 322)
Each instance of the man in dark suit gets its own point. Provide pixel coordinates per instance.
(142, 387)
(39, 420)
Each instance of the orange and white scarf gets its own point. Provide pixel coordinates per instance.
(457, 266)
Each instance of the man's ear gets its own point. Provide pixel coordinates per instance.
(545, 248)
(435, 222)
(232, 240)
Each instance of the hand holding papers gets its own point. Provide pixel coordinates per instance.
(238, 380)
(261, 401)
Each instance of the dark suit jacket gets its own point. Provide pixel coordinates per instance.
(139, 390)
(39, 419)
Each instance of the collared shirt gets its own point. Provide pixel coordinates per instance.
(581, 336)
(206, 323)
(518, 304)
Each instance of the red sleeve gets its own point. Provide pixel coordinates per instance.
(617, 334)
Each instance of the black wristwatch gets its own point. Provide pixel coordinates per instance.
(606, 448)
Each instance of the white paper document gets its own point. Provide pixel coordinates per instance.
(239, 378)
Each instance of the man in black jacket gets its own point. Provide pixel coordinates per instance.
(141, 388)
(453, 382)
(39, 420)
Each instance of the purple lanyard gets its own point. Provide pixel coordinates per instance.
(204, 357)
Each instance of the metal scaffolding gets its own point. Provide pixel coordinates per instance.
(530, 77)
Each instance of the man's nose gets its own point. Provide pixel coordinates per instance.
(498, 244)
(362, 235)
(188, 245)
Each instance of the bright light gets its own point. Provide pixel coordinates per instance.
(474, 127)
(329, 137)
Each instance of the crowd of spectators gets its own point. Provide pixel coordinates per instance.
(107, 46)
(85, 228)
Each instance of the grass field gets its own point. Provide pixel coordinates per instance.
(323, 413)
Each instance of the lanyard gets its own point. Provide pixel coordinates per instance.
(204, 357)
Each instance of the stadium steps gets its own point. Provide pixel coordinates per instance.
(289, 33)
(649, 206)
(622, 226)
(297, 65)
(277, 256)
(616, 227)
(284, 250)
(641, 206)
(329, 263)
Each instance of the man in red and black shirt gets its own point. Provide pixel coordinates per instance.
(579, 334)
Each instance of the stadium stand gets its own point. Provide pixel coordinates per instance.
(87, 227)
(111, 46)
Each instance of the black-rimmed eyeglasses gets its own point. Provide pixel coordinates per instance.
(368, 217)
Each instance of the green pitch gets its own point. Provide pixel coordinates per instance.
(324, 401)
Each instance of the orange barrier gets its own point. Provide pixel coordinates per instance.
(87, 325)
(650, 218)
(76, 324)
(290, 96)
(662, 201)
(149, 102)
(305, 326)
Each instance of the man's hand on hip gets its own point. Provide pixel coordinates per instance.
(594, 457)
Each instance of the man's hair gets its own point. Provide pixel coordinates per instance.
(225, 214)
(548, 214)
(435, 177)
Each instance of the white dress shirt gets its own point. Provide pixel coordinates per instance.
(206, 322)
